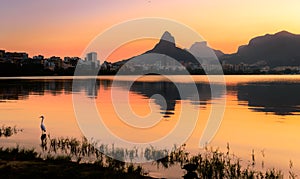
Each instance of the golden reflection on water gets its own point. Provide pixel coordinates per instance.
(242, 127)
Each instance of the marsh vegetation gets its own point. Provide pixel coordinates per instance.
(63, 156)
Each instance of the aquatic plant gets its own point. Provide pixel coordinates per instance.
(26, 163)
(83, 151)
(8, 131)
(208, 163)
(17, 153)
(212, 163)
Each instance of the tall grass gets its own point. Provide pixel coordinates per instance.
(212, 163)
(83, 151)
(17, 153)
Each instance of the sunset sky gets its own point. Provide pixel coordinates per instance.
(65, 28)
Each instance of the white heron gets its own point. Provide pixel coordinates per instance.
(43, 128)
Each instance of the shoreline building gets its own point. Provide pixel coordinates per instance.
(92, 58)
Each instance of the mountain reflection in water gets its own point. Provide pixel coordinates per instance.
(279, 98)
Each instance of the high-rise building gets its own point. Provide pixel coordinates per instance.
(16, 55)
(2, 53)
(92, 57)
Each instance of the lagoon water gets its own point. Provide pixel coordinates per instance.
(261, 112)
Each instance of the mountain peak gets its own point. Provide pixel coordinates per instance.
(168, 37)
(201, 49)
(198, 44)
(167, 46)
(284, 32)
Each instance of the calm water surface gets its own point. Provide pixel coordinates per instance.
(261, 113)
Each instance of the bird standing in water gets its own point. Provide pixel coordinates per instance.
(43, 136)
(43, 128)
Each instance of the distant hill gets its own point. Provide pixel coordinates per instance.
(280, 49)
(204, 53)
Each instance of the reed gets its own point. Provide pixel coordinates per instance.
(209, 163)
(212, 163)
(18, 153)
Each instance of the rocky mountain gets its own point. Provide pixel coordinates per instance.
(279, 49)
(204, 53)
(167, 47)
(218, 53)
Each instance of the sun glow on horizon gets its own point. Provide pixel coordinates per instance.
(65, 29)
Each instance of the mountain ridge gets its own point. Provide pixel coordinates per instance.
(279, 49)
(167, 46)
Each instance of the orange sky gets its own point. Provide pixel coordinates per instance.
(66, 28)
